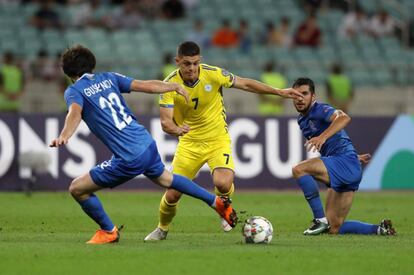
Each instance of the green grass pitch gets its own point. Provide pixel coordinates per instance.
(46, 234)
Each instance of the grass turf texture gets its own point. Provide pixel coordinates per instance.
(46, 234)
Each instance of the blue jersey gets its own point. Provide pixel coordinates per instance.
(316, 121)
(105, 112)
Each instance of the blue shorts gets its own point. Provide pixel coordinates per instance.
(345, 172)
(116, 171)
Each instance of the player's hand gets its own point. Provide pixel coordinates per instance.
(364, 158)
(315, 144)
(183, 130)
(58, 142)
(180, 90)
(290, 93)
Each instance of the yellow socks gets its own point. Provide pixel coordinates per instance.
(168, 210)
(167, 213)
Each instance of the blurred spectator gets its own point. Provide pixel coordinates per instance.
(245, 40)
(268, 37)
(46, 17)
(168, 65)
(311, 6)
(225, 36)
(198, 35)
(382, 24)
(190, 5)
(411, 33)
(269, 104)
(279, 36)
(43, 67)
(173, 9)
(125, 17)
(89, 13)
(150, 9)
(354, 23)
(308, 33)
(339, 89)
(337, 4)
(11, 84)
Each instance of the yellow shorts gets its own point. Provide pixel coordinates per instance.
(192, 155)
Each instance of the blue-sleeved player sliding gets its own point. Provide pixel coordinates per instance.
(96, 98)
(339, 166)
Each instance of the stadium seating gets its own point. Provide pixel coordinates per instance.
(370, 62)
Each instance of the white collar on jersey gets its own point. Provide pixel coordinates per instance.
(88, 75)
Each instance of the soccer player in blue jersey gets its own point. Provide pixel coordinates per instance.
(338, 167)
(96, 98)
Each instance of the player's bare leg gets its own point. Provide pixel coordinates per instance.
(337, 208)
(314, 167)
(306, 172)
(82, 189)
(223, 186)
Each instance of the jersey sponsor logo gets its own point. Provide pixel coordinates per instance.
(208, 87)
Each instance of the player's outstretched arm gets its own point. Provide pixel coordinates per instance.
(254, 86)
(73, 118)
(168, 125)
(158, 87)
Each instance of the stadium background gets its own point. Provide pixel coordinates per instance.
(380, 68)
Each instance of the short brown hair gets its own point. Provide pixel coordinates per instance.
(78, 60)
(188, 48)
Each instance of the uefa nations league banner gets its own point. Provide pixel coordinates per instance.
(264, 151)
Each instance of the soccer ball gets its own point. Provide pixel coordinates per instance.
(257, 229)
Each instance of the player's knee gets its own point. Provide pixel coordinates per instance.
(172, 196)
(298, 171)
(223, 184)
(74, 190)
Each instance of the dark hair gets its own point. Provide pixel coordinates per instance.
(304, 81)
(188, 48)
(8, 57)
(336, 68)
(78, 60)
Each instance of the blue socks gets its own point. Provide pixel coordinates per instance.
(188, 187)
(310, 189)
(357, 227)
(93, 207)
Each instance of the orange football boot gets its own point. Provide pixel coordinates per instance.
(224, 209)
(102, 236)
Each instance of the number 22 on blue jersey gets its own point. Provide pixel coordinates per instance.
(110, 102)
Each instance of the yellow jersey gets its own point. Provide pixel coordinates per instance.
(205, 113)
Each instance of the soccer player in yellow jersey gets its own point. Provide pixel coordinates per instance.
(201, 126)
